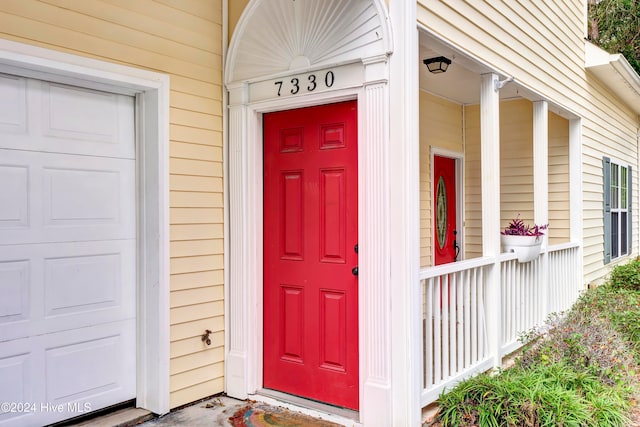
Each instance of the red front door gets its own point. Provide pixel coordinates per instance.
(310, 234)
(444, 203)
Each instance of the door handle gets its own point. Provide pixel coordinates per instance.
(456, 247)
(354, 270)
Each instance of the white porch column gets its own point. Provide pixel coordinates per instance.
(374, 252)
(404, 220)
(541, 192)
(237, 369)
(490, 166)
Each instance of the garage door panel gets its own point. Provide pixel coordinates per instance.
(65, 119)
(78, 196)
(67, 197)
(14, 288)
(79, 113)
(19, 371)
(96, 198)
(65, 286)
(87, 363)
(14, 198)
(85, 370)
(99, 120)
(13, 109)
(76, 284)
(14, 370)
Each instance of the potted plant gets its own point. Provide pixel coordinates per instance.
(523, 239)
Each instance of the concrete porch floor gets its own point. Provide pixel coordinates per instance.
(214, 411)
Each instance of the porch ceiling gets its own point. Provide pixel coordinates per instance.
(461, 82)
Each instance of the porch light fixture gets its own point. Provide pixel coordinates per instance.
(436, 65)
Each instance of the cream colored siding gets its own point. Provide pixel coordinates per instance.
(516, 169)
(236, 7)
(182, 38)
(472, 183)
(541, 44)
(516, 161)
(516, 172)
(440, 128)
(558, 179)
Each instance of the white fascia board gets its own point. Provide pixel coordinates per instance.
(616, 73)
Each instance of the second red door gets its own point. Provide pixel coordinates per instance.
(444, 204)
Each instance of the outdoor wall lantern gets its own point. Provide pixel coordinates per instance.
(438, 64)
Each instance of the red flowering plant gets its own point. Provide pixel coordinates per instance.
(517, 227)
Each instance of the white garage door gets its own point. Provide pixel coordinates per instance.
(67, 251)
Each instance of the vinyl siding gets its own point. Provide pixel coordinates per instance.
(472, 183)
(541, 44)
(516, 161)
(516, 172)
(558, 180)
(182, 38)
(236, 7)
(440, 127)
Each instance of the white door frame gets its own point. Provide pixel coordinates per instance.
(152, 165)
(361, 74)
(244, 356)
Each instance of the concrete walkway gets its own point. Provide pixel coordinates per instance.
(218, 410)
(212, 412)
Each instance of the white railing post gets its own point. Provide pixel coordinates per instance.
(541, 194)
(490, 166)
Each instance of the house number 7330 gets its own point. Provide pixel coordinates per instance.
(297, 84)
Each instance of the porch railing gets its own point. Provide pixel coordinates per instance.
(454, 308)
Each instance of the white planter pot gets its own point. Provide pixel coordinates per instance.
(526, 248)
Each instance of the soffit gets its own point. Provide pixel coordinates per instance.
(616, 73)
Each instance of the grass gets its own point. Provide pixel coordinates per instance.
(581, 371)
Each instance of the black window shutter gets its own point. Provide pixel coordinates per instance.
(606, 173)
(629, 214)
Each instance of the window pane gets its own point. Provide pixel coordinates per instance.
(623, 187)
(614, 235)
(614, 186)
(623, 233)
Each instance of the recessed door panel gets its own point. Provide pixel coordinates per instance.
(333, 346)
(292, 323)
(293, 212)
(332, 216)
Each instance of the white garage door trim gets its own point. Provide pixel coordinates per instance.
(152, 112)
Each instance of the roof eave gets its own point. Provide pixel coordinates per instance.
(616, 73)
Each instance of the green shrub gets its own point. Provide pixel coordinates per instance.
(584, 340)
(544, 395)
(619, 306)
(579, 371)
(626, 276)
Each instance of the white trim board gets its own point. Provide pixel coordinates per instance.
(152, 115)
